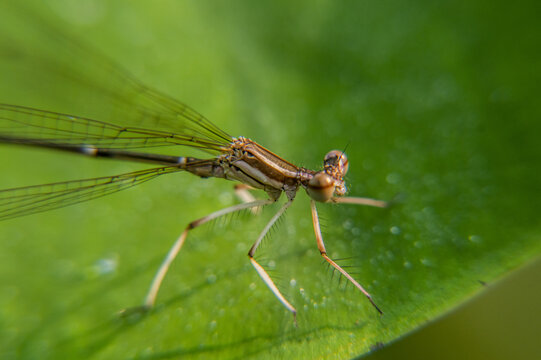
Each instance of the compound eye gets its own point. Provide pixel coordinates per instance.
(339, 159)
(320, 187)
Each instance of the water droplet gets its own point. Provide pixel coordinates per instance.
(395, 230)
(426, 262)
(393, 178)
(106, 266)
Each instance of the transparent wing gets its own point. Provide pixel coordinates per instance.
(29, 126)
(53, 67)
(40, 66)
(28, 200)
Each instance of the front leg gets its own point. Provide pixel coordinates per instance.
(323, 252)
(360, 201)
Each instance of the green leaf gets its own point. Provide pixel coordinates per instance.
(436, 104)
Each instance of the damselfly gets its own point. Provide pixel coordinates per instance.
(234, 158)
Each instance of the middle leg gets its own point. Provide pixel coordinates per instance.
(261, 271)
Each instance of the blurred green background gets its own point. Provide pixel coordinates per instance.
(436, 103)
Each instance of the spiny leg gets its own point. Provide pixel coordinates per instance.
(323, 251)
(243, 193)
(360, 201)
(150, 298)
(262, 273)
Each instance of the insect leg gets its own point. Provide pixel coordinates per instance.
(262, 273)
(243, 193)
(360, 201)
(323, 251)
(150, 298)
